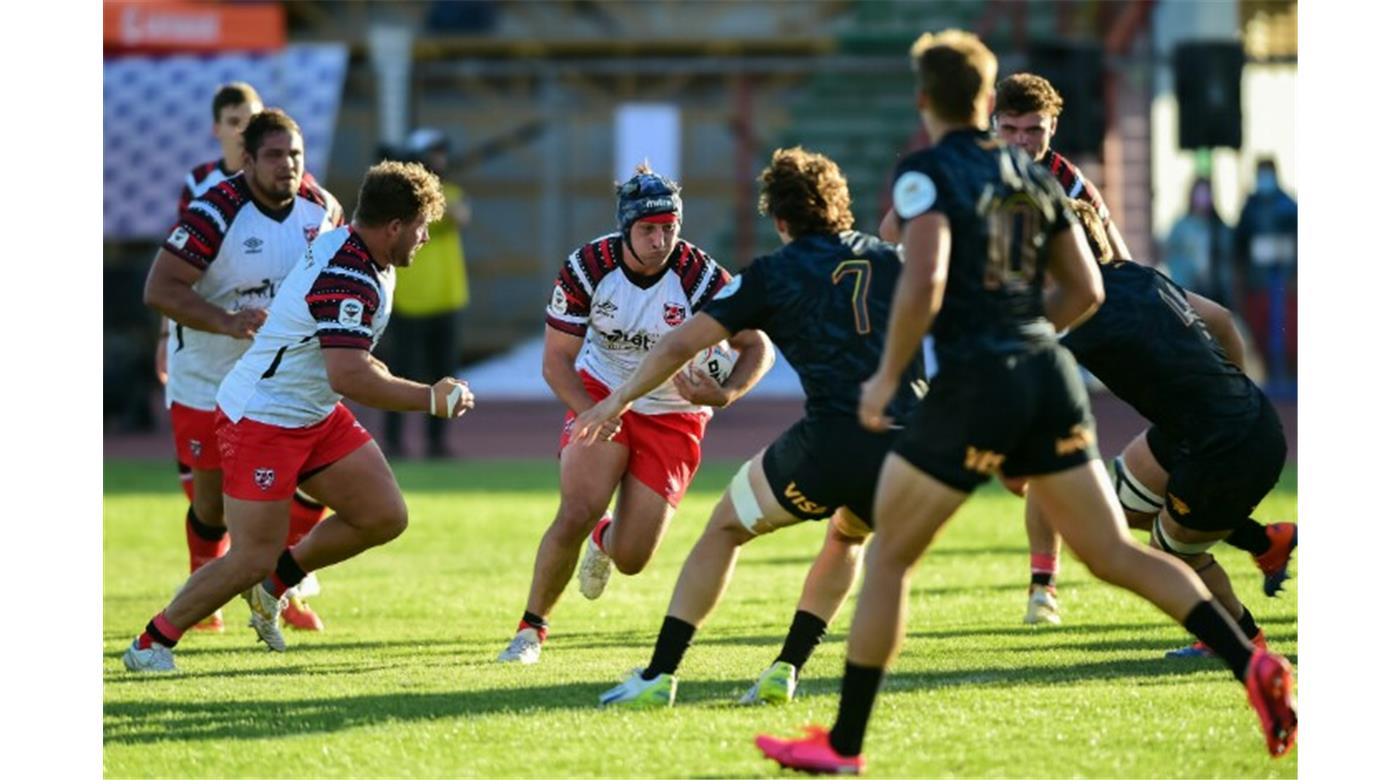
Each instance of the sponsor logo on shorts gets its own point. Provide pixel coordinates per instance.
(674, 314)
(982, 461)
(196, 447)
(1178, 505)
(1079, 439)
(802, 502)
(264, 478)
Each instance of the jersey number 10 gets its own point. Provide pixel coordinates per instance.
(1014, 238)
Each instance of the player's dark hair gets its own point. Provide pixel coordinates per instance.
(232, 95)
(1027, 93)
(1093, 230)
(398, 190)
(955, 71)
(265, 123)
(807, 191)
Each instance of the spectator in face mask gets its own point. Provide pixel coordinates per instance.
(1266, 264)
(1198, 247)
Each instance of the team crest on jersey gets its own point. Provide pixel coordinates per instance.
(310, 231)
(178, 237)
(351, 312)
(264, 478)
(674, 314)
(196, 447)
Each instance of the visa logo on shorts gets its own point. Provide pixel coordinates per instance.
(1079, 439)
(982, 461)
(802, 502)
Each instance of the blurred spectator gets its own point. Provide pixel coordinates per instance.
(430, 296)
(1266, 263)
(1198, 247)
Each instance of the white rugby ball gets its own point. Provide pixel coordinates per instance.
(717, 362)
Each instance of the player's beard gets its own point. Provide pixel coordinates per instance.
(279, 191)
(402, 256)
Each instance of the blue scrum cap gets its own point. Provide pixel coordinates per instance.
(646, 195)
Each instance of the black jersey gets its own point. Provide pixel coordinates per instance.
(1002, 209)
(824, 300)
(1153, 350)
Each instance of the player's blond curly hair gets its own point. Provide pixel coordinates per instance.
(807, 191)
(956, 71)
(1093, 230)
(399, 190)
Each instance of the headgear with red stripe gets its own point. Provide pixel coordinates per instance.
(643, 196)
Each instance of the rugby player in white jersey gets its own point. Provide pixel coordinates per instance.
(213, 277)
(280, 420)
(233, 105)
(614, 299)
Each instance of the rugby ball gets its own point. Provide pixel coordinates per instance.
(717, 362)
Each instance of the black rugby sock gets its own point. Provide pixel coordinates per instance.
(803, 636)
(286, 576)
(858, 689)
(671, 645)
(1250, 536)
(1247, 624)
(1210, 624)
(209, 533)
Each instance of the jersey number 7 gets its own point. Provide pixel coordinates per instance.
(860, 269)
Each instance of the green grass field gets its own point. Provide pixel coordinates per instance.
(403, 682)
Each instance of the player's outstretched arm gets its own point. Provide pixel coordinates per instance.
(359, 376)
(170, 291)
(1078, 288)
(927, 241)
(662, 361)
(1221, 324)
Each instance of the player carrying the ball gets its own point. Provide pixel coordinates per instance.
(824, 300)
(615, 298)
(280, 421)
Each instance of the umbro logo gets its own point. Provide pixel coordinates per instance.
(253, 245)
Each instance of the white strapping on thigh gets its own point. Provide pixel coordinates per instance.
(742, 496)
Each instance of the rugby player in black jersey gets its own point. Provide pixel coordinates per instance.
(1216, 446)
(982, 228)
(824, 300)
(1026, 115)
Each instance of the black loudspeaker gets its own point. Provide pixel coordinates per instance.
(1076, 72)
(1208, 93)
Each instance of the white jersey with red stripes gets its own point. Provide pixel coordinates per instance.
(244, 251)
(337, 297)
(621, 314)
